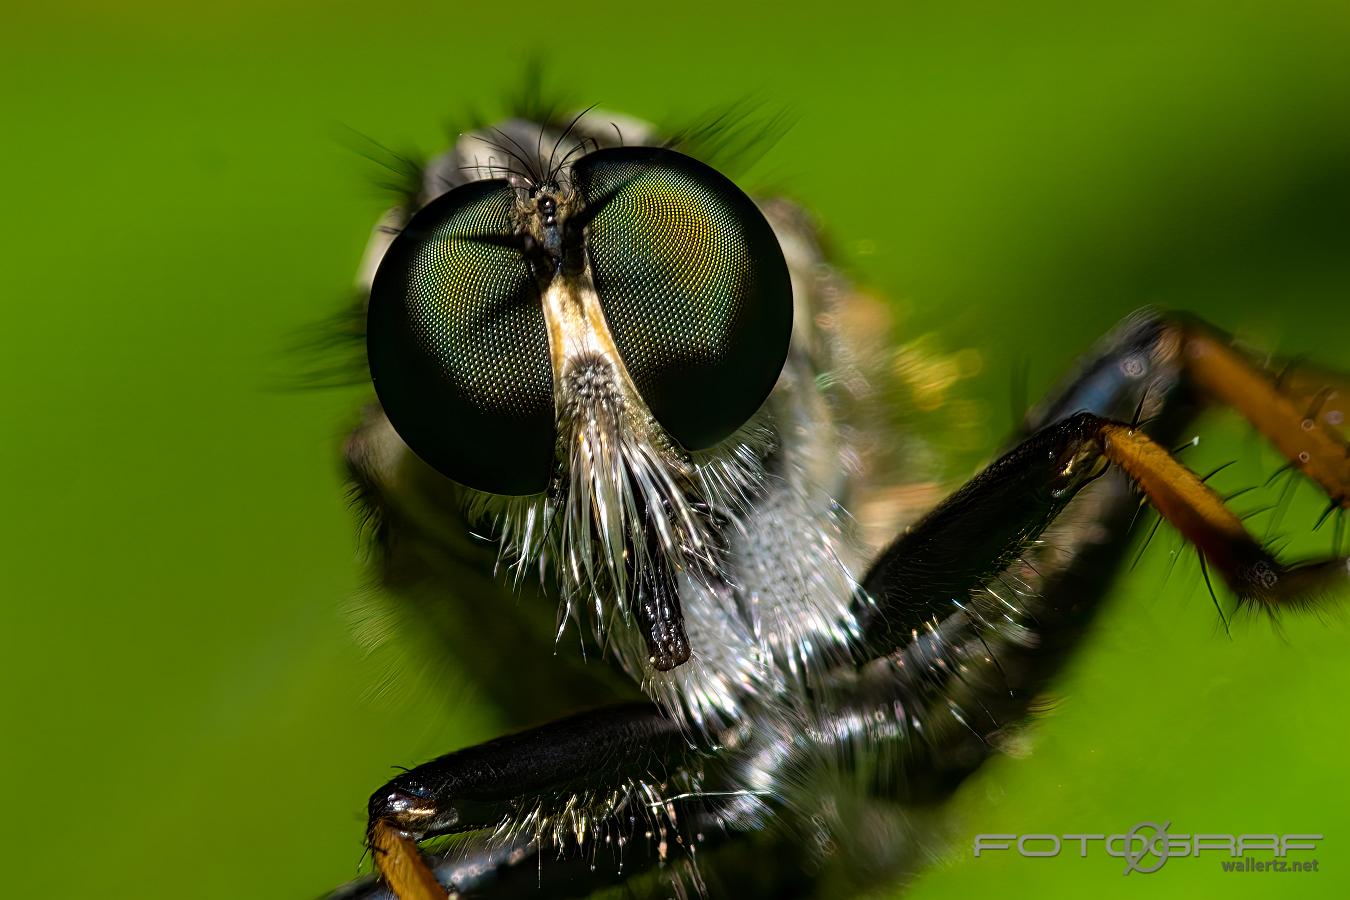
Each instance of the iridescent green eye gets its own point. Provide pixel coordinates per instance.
(689, 275)
(693, 285)
(458, 347)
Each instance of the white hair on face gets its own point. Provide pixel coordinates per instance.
(756, 563)
(629, 502)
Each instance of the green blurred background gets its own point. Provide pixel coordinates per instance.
(185, 712)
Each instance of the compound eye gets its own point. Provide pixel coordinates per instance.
(458, 348)
(693, 285)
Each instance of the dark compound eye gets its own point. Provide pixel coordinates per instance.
(688, 272)
(458, 347)
(693, 285)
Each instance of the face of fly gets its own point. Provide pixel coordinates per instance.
(606, 330)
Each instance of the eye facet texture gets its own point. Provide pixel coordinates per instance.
(693, 285)
(689, 275)
(458, 347)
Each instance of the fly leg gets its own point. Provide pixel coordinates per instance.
(570, 807)
(990, 523)
(980, 531)
(509, 868)
(976, 607)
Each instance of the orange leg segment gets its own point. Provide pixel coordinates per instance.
(402, 866)
(1194, 508)
(1300, 420)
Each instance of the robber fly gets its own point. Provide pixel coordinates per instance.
(628, 434)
